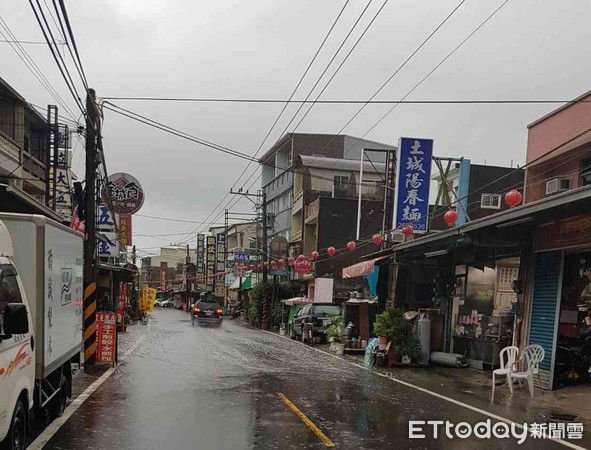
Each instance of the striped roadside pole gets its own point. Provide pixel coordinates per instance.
(90, 323)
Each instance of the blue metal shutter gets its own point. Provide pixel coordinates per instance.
(545, 297)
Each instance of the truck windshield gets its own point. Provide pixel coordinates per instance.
(9, 290)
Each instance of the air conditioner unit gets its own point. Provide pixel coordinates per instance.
(557, 185)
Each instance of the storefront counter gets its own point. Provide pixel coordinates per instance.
(482, 337)
(481, 353)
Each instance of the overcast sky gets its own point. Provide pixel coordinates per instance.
(532, 49)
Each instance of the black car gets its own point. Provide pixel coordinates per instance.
(206, 311)
(320, 315)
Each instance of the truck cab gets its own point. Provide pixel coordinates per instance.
(17, 368)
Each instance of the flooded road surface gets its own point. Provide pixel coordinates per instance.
(219, 388)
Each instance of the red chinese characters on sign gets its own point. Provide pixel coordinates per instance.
(125, 230)
(303, 266)
(163, 284)
(106, 324)
(122, 302)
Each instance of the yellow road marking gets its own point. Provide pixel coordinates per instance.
(307, 421)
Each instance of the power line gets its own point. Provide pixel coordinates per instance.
(48, 35)
(351, 102)
(7, 41)
(286, 103)
(71, 34)
(32, 66)
(169, 219)
(313, 87)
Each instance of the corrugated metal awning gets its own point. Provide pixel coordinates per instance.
(360, 269)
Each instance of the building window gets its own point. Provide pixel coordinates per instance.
(7, 119)
(490, 201)
(341, 184)
(586, 172)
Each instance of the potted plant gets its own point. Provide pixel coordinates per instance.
(408, 347)
(393, 327)
(333, 334)
(386, 326)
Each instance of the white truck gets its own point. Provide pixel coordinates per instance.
(40, 320)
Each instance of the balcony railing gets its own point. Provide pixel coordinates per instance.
(296, 236)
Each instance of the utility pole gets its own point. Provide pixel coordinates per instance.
(90, 258)
(187, 278)
(265, 245)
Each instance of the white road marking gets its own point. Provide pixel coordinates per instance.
(427, 391)
(54, 426)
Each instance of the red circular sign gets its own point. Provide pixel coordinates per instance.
(303, 265)
(125, 192)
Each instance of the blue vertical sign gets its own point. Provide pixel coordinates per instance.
(413, 179)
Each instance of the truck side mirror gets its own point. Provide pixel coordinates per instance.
(15, 319)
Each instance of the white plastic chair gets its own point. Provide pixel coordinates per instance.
(533, 355)
(507, 359)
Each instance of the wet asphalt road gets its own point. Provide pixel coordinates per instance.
(217, 388)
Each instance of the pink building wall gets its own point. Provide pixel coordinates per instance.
(557, 135)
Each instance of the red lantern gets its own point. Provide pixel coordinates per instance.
(315, 255)
(450, 217)
(290, 260)
(281, 263)
(376, 239)
(260, 266)
(407, 230)
(266, 264)
(273, 264)
(251, 267)
(513, 198)
(351, 245)
(331, 251)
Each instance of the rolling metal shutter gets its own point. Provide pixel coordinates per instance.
(544, 309)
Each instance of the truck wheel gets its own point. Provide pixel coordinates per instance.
(15, 440)
(58, 405)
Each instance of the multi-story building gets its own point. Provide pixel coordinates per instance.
(171, 261)
(24, 156)
(482, 194)
(277, 166)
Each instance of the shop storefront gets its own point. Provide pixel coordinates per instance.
(483, 311)
(560, 317)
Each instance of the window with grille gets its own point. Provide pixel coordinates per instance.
(586, 172)
(490, 201)
(340, 186)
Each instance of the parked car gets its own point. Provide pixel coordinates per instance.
(166, 303)
(206, 311)
(318, 314)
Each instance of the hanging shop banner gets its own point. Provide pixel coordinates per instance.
(200, 258)
(163, 280)
(220, 264)
(122, 302)
(413, 177)
(150, 299)
(126, 193)
(106, 323)
(76, 224)
(125, 230)
(210, 260)
(63, 138)
(108, 245)
(105, 220)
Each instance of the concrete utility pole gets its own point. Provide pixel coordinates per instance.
(90, 255)
(188, 278)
